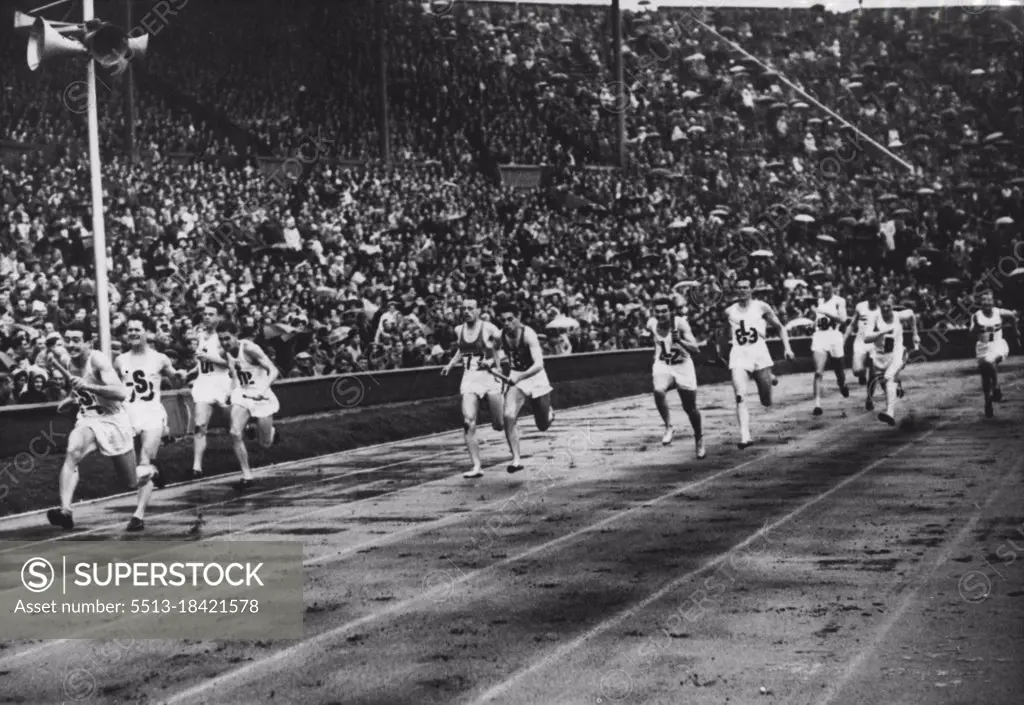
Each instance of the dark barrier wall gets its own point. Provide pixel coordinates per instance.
(40, 423)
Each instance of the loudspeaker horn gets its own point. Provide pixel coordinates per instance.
(111, 47)
(46, 42)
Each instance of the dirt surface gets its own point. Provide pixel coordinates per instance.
(838, 560)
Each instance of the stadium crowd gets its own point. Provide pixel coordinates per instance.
(354, 266)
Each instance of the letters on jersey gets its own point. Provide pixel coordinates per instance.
(142, 376)
(210, 345)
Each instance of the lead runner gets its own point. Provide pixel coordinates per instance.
(528, 377)
(748, 321)
(102, 424)
(478, 343)
(674, 346)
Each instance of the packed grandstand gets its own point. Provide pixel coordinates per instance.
(346, 262)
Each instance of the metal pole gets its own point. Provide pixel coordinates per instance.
(130, 85)
(621, 94)
(382, 54)
(99, 240)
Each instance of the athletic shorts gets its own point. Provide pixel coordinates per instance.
(148, 417)
(682, 376)
(994, 352)
(212, 390)
(861, 354)
(536, 386)
(258, 408)
(889, 364)
(750, 358)
(113, 433)
(830, 342)
(479, 383)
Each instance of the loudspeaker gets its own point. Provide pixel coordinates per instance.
(45, 42)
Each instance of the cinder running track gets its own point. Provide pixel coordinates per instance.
(837, 561)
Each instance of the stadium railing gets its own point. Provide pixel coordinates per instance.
(19, 425)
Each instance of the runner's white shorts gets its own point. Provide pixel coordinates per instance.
(212, 390)
(889, 364)
(994, 352)
(148, 417)
(683, 376)
(750, 358)
(534, 387)
(479, 383)
(828, 341)
(113, 433)
(861, 355)
(258, 407)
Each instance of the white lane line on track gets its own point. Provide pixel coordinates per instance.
(556, 655)
(261, 665)
(221, 481)
(836, 687)
(394, 537)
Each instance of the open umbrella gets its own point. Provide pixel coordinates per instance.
(803, 218)
(562, 322)
(685, 284)
(827, 238)
(1005, 220)
(1017, 273)
(761, 253)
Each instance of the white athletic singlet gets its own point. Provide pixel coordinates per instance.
(989, 329)
(210, 345)
(748, 327)
(90, 404)
(141, 374)
(836, 305)
(249, 376)
(667, 348)
(892, 340)
(865, 320)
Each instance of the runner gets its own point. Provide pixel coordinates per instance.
(528, 377)
(102, 425)
(860, 324)
(749, 357)
(889, 356)
(252, 397)
(991, 348)
(827, 342)
(478, 341)
(213, 384)
(142, 369)
(674, 346)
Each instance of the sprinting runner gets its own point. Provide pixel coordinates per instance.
(862, 321)
(674, 346)
(827, 342)
(213, 385)
(991, 347)
(252, 397)
(141, 369)
(889, 356)
(750, 357)
(860, 324)
(478, 341)
(528, 377)
(102, 425)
